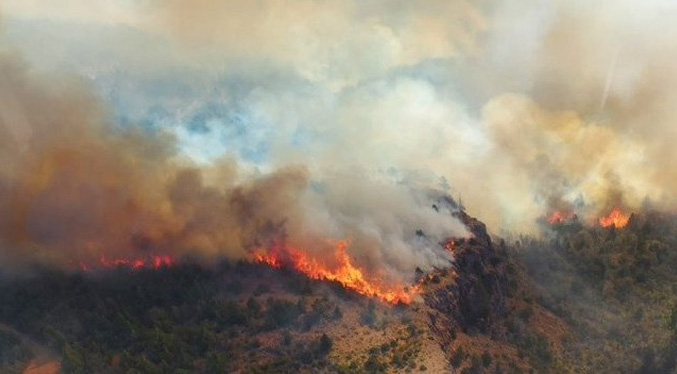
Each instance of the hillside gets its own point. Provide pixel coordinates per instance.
(237, 318)
(582, 299)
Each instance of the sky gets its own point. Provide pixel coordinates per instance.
(516, 108)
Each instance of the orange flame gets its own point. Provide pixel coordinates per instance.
(271, 261)
(616, 218)
(155, 262)
(345, 273)
(558, 218)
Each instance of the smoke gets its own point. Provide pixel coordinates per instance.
(329, 120)
(525, 108)
(73, 188)
(588, 121)
(321, 41)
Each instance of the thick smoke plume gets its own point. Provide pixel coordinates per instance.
(73, 189)
(329, 120)
(525, 108)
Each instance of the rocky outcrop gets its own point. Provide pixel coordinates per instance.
(471, 296)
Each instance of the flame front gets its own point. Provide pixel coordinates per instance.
(155, 262)
(616, 218)
(345, 273)
(559, 218)
(556, 218)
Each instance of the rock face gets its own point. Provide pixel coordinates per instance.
(471, 296)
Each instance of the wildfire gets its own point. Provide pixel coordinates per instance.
(151, 262)
(345, 273)
(616, 218)
(267, 259)
(558, 218)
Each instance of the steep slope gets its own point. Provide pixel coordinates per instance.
(468, 305)
(580, 299)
